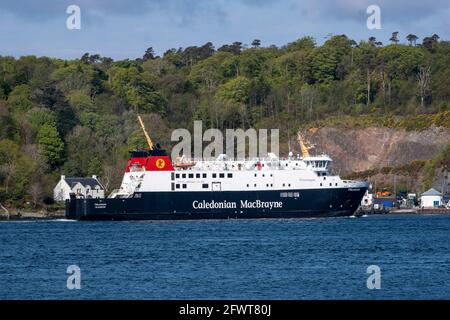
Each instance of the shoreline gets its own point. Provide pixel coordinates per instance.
(15, 216)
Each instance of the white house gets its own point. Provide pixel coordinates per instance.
(81, 187)
(431, 199)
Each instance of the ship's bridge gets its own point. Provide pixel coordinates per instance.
(320, 164)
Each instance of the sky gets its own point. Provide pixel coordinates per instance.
(125, 29)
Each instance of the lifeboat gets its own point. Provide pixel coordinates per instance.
(182, 162)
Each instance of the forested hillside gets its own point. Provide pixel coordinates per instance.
(78, 117)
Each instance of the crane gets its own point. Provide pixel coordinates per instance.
(303, 147)
(149, 141)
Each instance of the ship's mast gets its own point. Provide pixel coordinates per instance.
(149, 141)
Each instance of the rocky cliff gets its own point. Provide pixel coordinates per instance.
(363, 149)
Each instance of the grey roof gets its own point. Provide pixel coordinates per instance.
(91, 182)
(432, 192)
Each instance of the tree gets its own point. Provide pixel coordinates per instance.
(234, 48)
(50, 145)
(235, 90)
(149, 54)
(36, 191)
(41, 116)
(394, 38)
(323, 65)
(75, 76)
(16, 170)
(423, 80)
(20, 99)
(367, 64)
(80, 101)
(256, 43)
(430, 43)
(305, 43)
(412, 38)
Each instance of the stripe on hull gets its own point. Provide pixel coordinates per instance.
(222, 205)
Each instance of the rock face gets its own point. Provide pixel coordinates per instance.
(375, 147)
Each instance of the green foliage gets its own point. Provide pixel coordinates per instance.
(16, 170)
(401, 61)
(94, 167)
(50, 144)
(73, 76)
(19, 100)
(410, 123)
(235, 90)
(137, 141)
(80, 101)
(39, 117)
(301, 44)
(440, 162)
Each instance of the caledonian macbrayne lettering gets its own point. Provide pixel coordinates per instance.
(257, 204)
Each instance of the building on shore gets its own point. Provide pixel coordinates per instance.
(80, 187)
(431, 199)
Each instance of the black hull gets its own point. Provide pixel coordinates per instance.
(222, 205)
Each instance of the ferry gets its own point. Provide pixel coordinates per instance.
(155, 188)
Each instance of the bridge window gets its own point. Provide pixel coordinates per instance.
(214, 175)
(230, 175)
(191, 175)
(172, 176)
(177, 176)
(183, 175)
(222, 175)
(197, 175)
(205, 186)
(204, 175)
(184, 186)
(177, 186)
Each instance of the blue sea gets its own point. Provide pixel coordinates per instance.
(232, 259)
